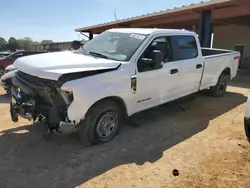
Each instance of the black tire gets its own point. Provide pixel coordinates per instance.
(220, 88)
(90, 132)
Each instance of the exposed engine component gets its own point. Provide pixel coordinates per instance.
(33, 96)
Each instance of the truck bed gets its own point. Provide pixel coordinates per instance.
(215, 61)
(208, 52)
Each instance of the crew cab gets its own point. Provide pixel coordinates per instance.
(115, 75)
(9, 60)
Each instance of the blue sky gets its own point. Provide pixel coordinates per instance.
(57, 19)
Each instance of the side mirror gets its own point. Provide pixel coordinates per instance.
(158, 59)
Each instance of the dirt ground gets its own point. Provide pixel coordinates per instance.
(206, 143)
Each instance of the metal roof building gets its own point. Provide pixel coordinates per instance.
(186, 16)
(229, 20)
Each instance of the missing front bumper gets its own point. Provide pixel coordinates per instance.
(17, 110)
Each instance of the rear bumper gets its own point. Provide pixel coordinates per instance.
(247, 127)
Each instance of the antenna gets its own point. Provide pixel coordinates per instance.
(115, 15)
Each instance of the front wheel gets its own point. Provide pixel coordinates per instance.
(220, 88)
(101, 123)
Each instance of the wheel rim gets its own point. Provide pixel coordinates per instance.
(222, 87)
(106, 126)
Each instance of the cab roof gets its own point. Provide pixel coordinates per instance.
(148, 31)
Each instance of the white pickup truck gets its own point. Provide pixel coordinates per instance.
(115, 75)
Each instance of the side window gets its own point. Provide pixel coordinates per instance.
(187, 47)
(162, 44)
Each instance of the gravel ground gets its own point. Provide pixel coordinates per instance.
(205, 143)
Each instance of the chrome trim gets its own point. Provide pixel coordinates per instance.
(67, 127)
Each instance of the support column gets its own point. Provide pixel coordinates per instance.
(90, 35)
(205, 28)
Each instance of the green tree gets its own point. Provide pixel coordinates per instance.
(36, 43)
(3, 44)
(12, 44)
(46, 41)
(25, 43)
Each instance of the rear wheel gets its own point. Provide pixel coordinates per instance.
(101, 123)
(220, 88)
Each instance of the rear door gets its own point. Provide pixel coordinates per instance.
(191, 64)
(155, 87)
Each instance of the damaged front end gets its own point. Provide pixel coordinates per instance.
(35, 98)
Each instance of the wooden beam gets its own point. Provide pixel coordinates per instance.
(124, 25)
(230, 12)
(166, 20)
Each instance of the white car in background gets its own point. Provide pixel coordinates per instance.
(247, 119)
(6, 79)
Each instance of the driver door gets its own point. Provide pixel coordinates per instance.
(155, 87)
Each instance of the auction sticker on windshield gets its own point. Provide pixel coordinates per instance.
(138, 36)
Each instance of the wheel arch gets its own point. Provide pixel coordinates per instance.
(226, 71)
(118, 100)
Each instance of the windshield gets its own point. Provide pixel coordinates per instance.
(114, 45)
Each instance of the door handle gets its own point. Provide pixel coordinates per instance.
(173, 71)
(198, 66)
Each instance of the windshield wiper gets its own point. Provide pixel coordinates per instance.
(99, 55)
(81, 50)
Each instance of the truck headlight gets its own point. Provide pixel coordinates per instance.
(9, 70)
(6, 71)
(67, 95)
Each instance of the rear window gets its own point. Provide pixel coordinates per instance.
(187, 47)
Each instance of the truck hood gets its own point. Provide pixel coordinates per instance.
(53, 65)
